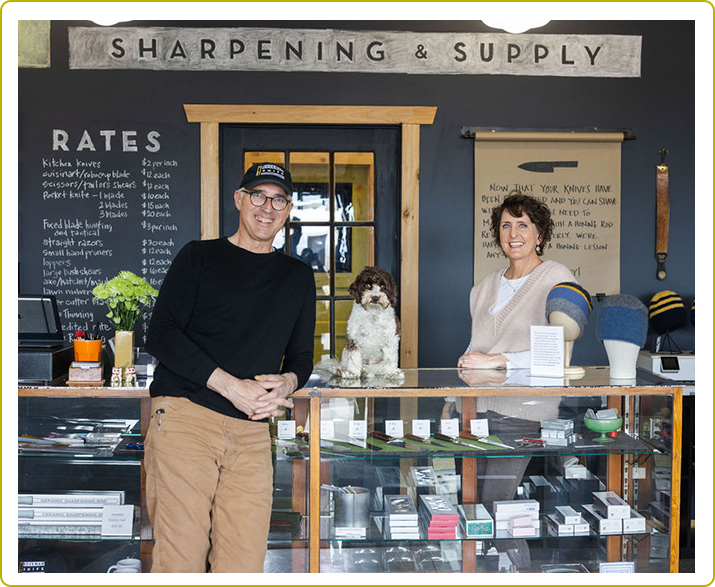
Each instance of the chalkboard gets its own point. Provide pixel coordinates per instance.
(98, 199)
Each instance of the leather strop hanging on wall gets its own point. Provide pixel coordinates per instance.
(662, 214)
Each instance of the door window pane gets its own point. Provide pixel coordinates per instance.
(354, 250)
(354, 187)
(311, 187)
(252, 157)
(342, 313)
(321, 348)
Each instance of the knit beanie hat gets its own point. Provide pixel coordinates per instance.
(571, 299)
(623, 317)
(666, 311)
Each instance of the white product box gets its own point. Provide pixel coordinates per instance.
(634, 524)
(599, 523)
(516, 505)
(610, 505)
(558, 528)
(576, 472)
(581, 529)
(522, 531)
(508, 516)
(567, 515)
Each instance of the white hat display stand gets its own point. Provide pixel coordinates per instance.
(622, 357)
(571, 333)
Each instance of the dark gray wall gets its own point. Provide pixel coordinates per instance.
(658, 107)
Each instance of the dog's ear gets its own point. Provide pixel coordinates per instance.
(354, 289)
(391, 291)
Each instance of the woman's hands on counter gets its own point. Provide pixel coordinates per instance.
(475, 360)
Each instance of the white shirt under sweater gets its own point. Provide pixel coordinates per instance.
(504, 326)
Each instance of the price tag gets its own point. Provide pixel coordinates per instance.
(286, 429)
(450, 427)
(394, 428)
(479, 427)
(421, 428)
(117, 520)
(358, 429)
(327, 429)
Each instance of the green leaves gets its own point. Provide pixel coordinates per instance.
(127, 295)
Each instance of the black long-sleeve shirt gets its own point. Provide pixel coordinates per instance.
(223, 306)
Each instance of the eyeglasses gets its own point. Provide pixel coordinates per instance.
(259, 198)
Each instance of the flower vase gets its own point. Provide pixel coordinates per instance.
(124, 348)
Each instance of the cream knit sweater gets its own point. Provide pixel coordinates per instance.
(510, 331)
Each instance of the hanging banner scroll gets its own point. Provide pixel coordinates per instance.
(578, 176)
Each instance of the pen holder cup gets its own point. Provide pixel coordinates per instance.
(352, 510)
(87, 350)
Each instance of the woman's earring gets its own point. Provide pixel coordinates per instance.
(538, 248)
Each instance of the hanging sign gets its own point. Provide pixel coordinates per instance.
(284, 50)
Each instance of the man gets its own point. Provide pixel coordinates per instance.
(233, 332)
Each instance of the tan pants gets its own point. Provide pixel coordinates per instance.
(209, 489)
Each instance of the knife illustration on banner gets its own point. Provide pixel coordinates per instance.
(546, 166)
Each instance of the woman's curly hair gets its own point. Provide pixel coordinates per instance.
(518, 204)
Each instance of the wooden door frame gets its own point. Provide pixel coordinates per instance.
(408, 117)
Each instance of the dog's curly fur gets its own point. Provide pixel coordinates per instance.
(373, 332)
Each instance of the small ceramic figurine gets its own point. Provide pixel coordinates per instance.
(116, 380)
(130, 377)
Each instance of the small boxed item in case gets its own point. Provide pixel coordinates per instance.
(522, 526)
(610, 505)
(509, 508)
(634, 524)
(476, 521)
(599, 523)
(563, 425)
(567, 515)
(557, 527)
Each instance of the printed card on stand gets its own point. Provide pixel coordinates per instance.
(450, 427)
(358, 429)
(286, 429)
(479, 427)
(117, 520)
(394, 428)
(547, 351)
(421, 428)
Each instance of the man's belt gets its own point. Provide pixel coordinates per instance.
(662, 212)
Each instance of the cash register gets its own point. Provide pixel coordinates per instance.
(43, 354)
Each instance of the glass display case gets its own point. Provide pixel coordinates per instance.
(449, 471)
(87, 442)
(527, 481)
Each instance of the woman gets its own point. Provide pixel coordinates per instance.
(506, 303)
(504, 306)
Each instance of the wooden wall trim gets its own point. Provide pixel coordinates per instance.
(268, 114)
(210, 197)
(409, 245)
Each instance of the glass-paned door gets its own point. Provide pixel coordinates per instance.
(344, 214)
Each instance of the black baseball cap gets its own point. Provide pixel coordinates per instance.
(260, 173)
